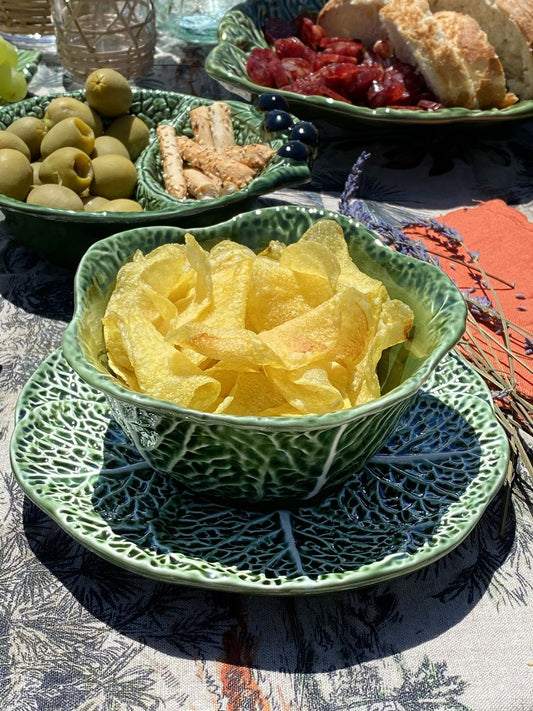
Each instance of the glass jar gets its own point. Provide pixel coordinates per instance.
(92, 34)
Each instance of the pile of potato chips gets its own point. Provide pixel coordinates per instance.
(296, 329)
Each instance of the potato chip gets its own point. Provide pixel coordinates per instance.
(316, 269)
(274, 250)
(230, 304)
(306, 338)
(356, 328)
(199, 298)
(394, 323)
(307, 390)
(252, 392)
(167, 270)
(296, 329)
(274, 296)
(161, 370)
(117, 354)
(330, 234)
(237, 346)
(227, 253)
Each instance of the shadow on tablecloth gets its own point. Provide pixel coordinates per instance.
(310, 634)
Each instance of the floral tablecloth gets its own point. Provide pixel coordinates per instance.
(77, 633)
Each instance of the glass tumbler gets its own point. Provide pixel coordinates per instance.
(197, 20)
(92, 34)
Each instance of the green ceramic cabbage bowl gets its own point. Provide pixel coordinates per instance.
(240, 30)
(63, 236)
(266, 461)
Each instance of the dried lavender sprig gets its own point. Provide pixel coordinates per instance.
(352, 185)
(351, 206)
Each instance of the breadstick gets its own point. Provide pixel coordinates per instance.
(199, 185)
(254, 155)
(172, 162)
(224, 186)
(221, 125)
(214, 163)
(227, 188)
(201, 126)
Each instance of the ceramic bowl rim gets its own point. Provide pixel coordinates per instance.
(113, 389)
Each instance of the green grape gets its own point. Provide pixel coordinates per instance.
(8, 53)
(13, 85)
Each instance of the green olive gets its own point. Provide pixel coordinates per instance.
(108, 144)
(15, 174)
(11, 140)
(108, 92)
(114, 177)
(35, 166)
(64, 106)
(121, 205)
(72, 131)
(132, 132)
(94, 203)
(67, 166)
(58, 196)
(31, 129)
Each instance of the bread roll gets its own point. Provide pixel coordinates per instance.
(417, 39)
(353, 19)
(482, 63)
(509, 28)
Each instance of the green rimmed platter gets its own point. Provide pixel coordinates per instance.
(240, 31)
(423, 494)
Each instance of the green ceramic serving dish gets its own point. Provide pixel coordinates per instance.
(64, 235)
(240, 30)
(266, 461)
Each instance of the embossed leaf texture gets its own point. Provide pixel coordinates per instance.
(414, 502)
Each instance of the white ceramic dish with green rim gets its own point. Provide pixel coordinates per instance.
(63, 236)
(425, 490)
(240, 31)
(258, 461)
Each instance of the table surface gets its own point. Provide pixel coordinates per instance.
(80, 633)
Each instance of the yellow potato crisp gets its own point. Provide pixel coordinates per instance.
(296, 329)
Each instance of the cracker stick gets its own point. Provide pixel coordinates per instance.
(172, 162)
(225, 187)
(228, 188)
(199, 185)
(221, 125)
(254, 155)
(214, 163)
(201, 126)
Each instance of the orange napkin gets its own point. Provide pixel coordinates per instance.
(503, 238)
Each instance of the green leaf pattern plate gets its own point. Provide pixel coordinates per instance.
(240, 31)
(422, 494)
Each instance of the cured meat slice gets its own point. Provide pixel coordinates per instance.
(293, 47)
(264, 67)
(295, 67)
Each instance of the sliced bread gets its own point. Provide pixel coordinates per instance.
(354, 19)
(481, 60)
(509, 28)
(417, 38)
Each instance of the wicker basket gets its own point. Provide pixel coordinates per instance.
(25, 17)
(91, 34)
